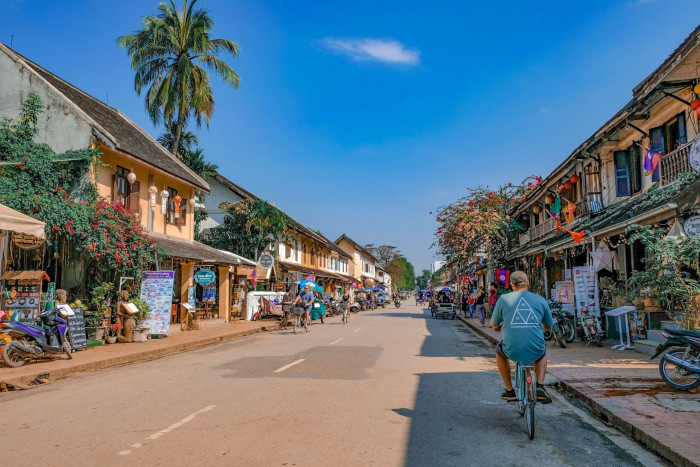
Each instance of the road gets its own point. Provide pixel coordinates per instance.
(391, 387)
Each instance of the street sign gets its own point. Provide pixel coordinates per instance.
(266, 261)
(692, 226)
(204, 276)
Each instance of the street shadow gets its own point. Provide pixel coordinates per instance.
(441, 340)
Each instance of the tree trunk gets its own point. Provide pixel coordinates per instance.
(178, 134)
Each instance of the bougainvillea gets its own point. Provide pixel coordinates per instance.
(480, 221)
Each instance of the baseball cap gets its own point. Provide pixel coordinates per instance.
(518, 277)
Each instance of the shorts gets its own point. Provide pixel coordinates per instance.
(502, 353)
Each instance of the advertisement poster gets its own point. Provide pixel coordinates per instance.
(564, 291)
(157, 291)
(585, 289)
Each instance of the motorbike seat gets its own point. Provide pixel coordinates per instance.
(683, 332)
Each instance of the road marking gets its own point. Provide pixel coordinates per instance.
(167, 430)
(335, 342)
(357, 329)
(279, 370)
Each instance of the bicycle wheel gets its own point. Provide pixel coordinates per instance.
(297, 324)
(530, 412)
(559, 337)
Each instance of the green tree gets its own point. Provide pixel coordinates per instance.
(188, 140)
(167, 55)
(403, 273)
(250, 226)
(423, 280)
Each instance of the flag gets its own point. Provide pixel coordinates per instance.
(254, 277)
(576, 236)
(569, 211)
(311, 278)
(503, 277)
(651, 160)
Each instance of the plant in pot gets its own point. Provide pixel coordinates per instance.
(99, 317)
(141, 318)
(113, 332)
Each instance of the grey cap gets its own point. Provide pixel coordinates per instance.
(518, 278)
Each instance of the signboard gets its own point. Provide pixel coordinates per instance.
(204, 276)
(157, 292)
(564, 291)
(694, 154)
(50, 296)
(192, 296)
(585, 289)
(692, 225)
(76, 324)
(23, 302)
(266, 261)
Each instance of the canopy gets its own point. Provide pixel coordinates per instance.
(18, 222)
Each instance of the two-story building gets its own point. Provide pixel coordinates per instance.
(364, 264)
(134, 170)
(605, 184)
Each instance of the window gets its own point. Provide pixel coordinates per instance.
(668, 137)
(170, 213)
(622, 174)
(287, 250)
(125, 192)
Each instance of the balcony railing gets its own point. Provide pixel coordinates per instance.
(674, 163)
(524, 238)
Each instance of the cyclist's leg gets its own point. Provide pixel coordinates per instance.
(308, 319)
(504, 366)
(541, 369)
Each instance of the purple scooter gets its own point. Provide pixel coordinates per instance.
(44, 340)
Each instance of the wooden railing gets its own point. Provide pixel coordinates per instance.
(674, 163)
(543, 229)
(524, 238)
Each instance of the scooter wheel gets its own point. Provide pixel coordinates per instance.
(12, 356)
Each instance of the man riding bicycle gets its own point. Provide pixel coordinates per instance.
(522, 315)
(306, 298)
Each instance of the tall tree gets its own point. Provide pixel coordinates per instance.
(166, 55)
(384, 253)
(423, 280)
(188, 140)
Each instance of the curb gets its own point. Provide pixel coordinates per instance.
(144, 356)
(607, 416)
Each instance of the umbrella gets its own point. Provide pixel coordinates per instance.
(311, 284)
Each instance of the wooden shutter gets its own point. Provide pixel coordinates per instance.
(115, 189)
(182, 220)
(622, 175)
(133, 199)
(635, 169)
(682, 131)
(658, 145)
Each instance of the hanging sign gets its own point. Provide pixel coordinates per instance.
(157, 292)
(266, 260)
(694, 154)
(204, 276)
(692, 225)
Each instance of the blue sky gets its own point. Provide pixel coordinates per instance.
(361, 117)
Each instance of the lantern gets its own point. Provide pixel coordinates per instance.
(695, 104)
(192, 202)
(574, 178)
(536, 209)
(131, 177)
(697, 111)
(177, 199)
(567, 185)
(697, 89)
(561, 189)
(164, 201)
(152, 192)
(549, 199)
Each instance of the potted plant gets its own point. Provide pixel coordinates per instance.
(113, 333)
(141, 317)
(99, 317)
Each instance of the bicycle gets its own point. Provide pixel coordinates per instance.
(526, 392)
(298, 312)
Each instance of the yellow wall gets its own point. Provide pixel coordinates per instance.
(146, 175)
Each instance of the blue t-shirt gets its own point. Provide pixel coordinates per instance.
(522, 315)
(305, 297)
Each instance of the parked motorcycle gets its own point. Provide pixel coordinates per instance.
(354, 307)
(680, 366)
(592, 331)
(46, 339)
(563, 330)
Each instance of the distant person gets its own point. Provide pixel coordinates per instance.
(287, 300)
(479, 304)
(493, 297)
(306, 298)
(523, 316)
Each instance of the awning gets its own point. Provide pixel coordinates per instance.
(239, 259)
(294, 267)
(190, 249)
(18, 222)
(25, 276)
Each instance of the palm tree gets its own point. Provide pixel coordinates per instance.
(194, 159)
(166, 55)
(188, 140)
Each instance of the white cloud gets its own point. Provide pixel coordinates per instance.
(378, 50)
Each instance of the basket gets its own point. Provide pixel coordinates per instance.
(297, 310)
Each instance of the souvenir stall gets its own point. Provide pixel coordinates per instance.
(21, 298)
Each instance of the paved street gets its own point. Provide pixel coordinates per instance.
(392, 387)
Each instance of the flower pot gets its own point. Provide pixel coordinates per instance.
(638, 302)
(97, 334)
(111, 339)
(141, 334)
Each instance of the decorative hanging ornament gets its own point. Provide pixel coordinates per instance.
(164, 201)
(561, 189)
(549, 199)
(192, 202)
(697, 111)
(697, 89)
(695, 104)
(574, 178)
(177, 199)
(131, 177)
(536, 209)
(567, 185)
(152, 192)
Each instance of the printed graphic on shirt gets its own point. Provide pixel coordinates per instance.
(524, 316)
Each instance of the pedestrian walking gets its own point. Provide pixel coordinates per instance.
(493, 298)
(479, 302)
(470, 300)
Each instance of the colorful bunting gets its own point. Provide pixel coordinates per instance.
(576, 236)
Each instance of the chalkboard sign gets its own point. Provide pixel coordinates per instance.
(76, 324)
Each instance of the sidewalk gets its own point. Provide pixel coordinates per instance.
(624, 389)
(105, 356)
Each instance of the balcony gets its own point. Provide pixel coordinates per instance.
(674, 163)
